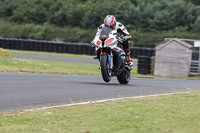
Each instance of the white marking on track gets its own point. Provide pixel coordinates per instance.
(106, 100)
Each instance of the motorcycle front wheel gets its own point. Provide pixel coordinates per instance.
(105, 68)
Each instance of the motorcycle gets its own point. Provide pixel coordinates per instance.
(112, 58)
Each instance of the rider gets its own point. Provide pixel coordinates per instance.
(111, 22)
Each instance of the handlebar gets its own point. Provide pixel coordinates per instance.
(121, 39)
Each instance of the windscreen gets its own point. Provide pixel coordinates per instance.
(104, 33)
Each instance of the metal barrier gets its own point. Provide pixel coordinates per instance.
(195, 68)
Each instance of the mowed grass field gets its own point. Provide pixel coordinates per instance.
(40, 66)
(177, 113)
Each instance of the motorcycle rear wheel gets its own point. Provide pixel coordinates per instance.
(105, 68)
(124, 77)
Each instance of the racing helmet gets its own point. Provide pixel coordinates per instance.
(110, 21)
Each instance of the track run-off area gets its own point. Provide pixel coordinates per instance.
(23, 91)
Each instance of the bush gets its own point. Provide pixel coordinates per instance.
(4, 53)
(80, 35)
(148, 21)
(149, 39)
(41, 32)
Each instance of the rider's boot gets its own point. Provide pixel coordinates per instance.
(129, 60)
(95, 57)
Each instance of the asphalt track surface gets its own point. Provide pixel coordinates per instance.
(21, 91)
(53, 58)
(63, 59)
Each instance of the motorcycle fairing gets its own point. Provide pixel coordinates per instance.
(106, 38)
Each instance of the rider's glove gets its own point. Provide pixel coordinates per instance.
(122, 39)
(127, 37)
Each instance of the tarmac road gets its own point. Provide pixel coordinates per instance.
(63, 59)
(20, 91)
(52, 58)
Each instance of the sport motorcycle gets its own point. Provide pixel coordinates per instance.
(110, 53)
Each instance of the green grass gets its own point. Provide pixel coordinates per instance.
(49, 54)
(178, 113)
(41, 66)
(53, 54)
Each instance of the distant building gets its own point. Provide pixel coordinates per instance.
(172, 58)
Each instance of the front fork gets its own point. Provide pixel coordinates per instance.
(110, 58)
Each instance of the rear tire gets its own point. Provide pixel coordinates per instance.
(124, 77)
(105, 68)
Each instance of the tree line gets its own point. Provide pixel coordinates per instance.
(149, 21)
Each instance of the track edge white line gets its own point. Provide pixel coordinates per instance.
(101, 101)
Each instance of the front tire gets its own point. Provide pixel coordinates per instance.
(105, 68)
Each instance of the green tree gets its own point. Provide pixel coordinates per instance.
(196, 25)
(161, 21)
(59, 18)
(196, 2)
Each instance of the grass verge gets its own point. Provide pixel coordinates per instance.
(38, 66)
(53, 54)
(41, 66)
(179, 113)
(50, 54)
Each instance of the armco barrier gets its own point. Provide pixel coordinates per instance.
(63, 47)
